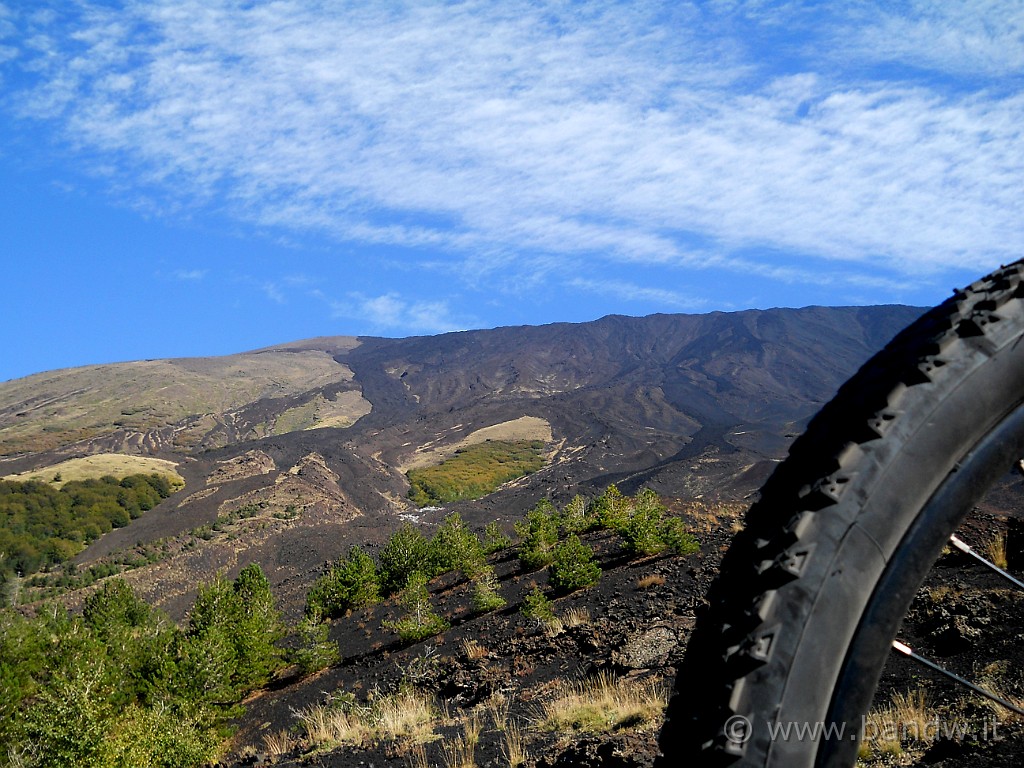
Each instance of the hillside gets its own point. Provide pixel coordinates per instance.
(316, 435)
(292, 454)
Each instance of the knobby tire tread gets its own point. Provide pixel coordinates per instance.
(741, 657)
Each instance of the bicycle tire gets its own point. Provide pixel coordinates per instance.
(800, 619)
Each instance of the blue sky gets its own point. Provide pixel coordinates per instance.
(198, 177)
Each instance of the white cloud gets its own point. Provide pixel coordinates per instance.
(557, 131)
(978, 38)
(390, 311)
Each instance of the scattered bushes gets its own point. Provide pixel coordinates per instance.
(475, 471)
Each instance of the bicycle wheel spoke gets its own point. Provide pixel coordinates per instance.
(965, 548)
(907, 651)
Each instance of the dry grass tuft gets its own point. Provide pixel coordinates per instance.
(498, 706)
(905, 720)
(461, 752)
(994, 678)
(604, 703)
(327, 727)
(407, 716)
(474, 650)
(650, 580)
(277, 744)
(513, 746)
(577, 616)
(995, 549)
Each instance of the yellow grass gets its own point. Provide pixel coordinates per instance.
(604, 703)
(407, 716)
(513, 746)
(120, 465)
(905, 720)
(436, 451)
(995, 549)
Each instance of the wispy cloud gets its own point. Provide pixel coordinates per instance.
(532, 135)
(189, 274)
(390, 312)
(657, 297)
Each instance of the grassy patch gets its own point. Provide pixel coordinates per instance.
(603, 704)
(475, 471)
(407, 716)
(119, 465)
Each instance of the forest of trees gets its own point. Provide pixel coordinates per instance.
(121, 686)
(42, 526)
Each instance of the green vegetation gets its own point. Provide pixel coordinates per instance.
(403, 555)
(538, 535)
(455, 548)
(574, 566)
(120, 685)
(349, 584)
(420, 620)
(538, 607)
(486, 597)
(475, 471)
(41, 526)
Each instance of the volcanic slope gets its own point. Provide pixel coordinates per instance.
(294, 452)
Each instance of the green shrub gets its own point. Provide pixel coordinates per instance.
(405, 553)
(642, 531)
(538, 535)
(486, 597)
(577, 516)
(231, 641)
(455, 548)
(349, 584)
(574, 566)
(611, 509)
(420, 620)
(316, 651)
(677, 538)
(538, 607)
(495, 540)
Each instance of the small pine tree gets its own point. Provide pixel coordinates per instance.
(611, 509)
(538, 535)
(642, 531)
(538, 607)
(455, 548)
(486, 597)
(404, 554)
(316, 650)
(677, 538)
(420, 620)
(257, 628)
(576, 517)
(495, 539)
(349, 584)
(574, 566)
